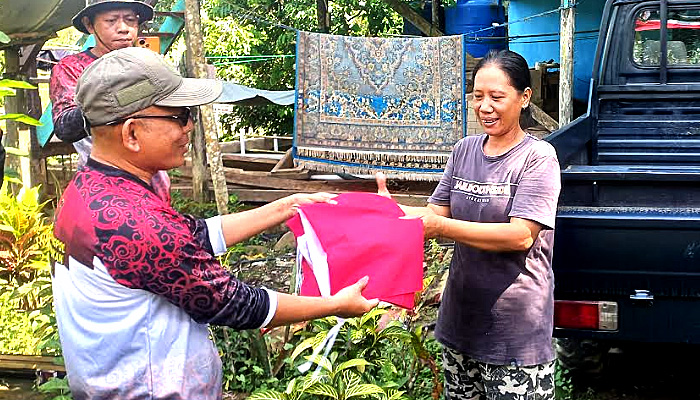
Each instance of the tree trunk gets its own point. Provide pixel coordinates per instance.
(195, 46)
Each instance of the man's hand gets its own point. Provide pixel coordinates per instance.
(293, 202)
(349, 301)
(299, 199)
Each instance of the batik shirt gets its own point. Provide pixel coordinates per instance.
(68, 123)
(135, 285)
(67, 116)
(498, 306)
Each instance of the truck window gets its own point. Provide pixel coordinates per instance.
(683, 38)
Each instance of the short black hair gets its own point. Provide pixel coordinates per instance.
(518, 72)
(511, 63)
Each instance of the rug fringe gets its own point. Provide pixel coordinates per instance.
(378, 159)
(369, 170)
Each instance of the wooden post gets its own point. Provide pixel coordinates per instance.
(566, 62)
(199, 148)
(435, 13)
(12, 105)
(206, 113)
(324, 16)
(20, 135)
(32, 107)
(413, 17)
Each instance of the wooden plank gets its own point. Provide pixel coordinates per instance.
(260, 179)
(298, 173)
(413, 17)
(29, 363)
(566, 62)
(286, 162)
(267, 196)
(249, 163)
(543, 118)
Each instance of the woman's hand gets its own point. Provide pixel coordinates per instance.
(381, 185)
(433, 224)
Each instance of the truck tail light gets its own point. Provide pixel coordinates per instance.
(596, 315)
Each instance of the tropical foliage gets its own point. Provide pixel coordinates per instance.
(25, 236)
(251, 42)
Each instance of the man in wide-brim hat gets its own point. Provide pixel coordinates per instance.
(92, 7)
(115, 25)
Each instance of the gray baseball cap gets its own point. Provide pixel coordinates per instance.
(144, 10)
(125, 81)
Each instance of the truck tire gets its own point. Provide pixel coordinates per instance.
(581, 356)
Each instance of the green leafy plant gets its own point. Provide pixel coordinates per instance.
(25, 238)
(186, 205)
(7, 88)
(57, 388)
(344, 380)
(246, 360)
(15, 329)
(255, 28)
(563, 387)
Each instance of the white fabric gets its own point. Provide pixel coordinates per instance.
(309, 248)
(274, 300)
(216, 235)
(116, 336)
(218, 244)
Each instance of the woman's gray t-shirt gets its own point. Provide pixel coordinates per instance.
(498, 306)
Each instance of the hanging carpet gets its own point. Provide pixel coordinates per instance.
(370, 104)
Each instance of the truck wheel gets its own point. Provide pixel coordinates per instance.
(581, 356)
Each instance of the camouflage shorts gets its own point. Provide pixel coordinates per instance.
(468, 379)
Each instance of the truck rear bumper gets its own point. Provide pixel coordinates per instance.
(662, 320)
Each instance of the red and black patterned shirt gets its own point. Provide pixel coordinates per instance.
(67, 116)
(135, 287)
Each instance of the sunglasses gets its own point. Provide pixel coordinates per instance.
(183, 118)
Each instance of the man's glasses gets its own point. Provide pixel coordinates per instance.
(183, 118)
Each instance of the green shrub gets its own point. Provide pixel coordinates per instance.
(15, 329)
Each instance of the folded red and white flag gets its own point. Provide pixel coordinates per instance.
(363, 234)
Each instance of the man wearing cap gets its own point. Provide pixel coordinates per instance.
(135, 283)
(115, 25)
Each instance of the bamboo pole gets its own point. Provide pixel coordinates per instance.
(324, 16)
(194, 45)
(566, 62)
(435, 13)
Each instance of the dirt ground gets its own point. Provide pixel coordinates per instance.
(645, 372)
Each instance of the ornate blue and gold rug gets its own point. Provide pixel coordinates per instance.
(370, 104)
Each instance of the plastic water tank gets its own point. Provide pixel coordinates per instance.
(476, 18)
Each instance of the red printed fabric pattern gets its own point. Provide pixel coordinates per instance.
(145, 244)
(67, 117)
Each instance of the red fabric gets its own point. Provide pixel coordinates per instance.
(364, 235)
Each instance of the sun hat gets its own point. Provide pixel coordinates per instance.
(128, 80)
(144, 11)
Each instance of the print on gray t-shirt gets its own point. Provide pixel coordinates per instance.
(498, 306)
